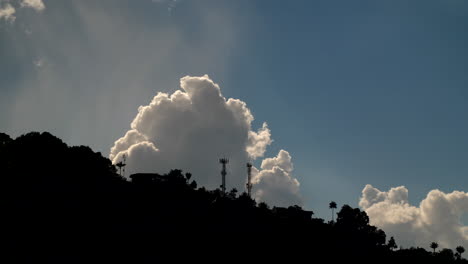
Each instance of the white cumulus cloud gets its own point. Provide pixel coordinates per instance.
(274, 183)
(192, 128)
(37, 5)
(8, 13)
(437, 218)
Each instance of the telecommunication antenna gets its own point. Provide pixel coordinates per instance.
(124, 164)
(249, 179)
(223, 161)
(121, 166)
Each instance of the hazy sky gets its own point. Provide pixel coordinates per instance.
(358, 92)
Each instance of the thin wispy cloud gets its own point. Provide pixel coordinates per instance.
(108, 63)
(38, 63)
(170, 4)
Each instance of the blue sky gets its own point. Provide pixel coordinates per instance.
(359, 92)
(363, 92)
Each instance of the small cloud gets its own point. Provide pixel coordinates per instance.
(38, 63)
(37, 5)
(171, 4)
(7, 13)
(274, 183)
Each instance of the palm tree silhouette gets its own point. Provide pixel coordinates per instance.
(332, 206)
(460, 251)
(434, 245)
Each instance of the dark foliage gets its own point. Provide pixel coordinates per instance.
(60, 203)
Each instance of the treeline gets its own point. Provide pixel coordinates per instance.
(58, 200)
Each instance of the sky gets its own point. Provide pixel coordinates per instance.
(365, 102)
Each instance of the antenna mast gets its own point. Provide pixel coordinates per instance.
(223, 161)
(121, 166)
(249, 179)
(124, 164)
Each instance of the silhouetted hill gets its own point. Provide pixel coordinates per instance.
(58, 200)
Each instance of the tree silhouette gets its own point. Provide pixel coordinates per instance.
(352, 218)
(4, 139)
(392, 244)
(232, 194)
(263, 206)
(188, 176)
(193, 185)
(332, 206)
(460, 250)
(446, 255)
(434, 246)
(77, 195)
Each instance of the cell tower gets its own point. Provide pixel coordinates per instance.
(121, 166)
(124, 164)
(249, 179)
(223, 161)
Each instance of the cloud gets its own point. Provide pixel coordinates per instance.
(438, 217)
(38, 63)
(259, 141)
(37, 5)
(274, 183)
(7, 13)
(133, 46)
(171, 4)
(192, 128)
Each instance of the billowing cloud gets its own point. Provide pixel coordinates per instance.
(37, 5)
(274, 183)
(192, 128)
(259, 141)
(8, 13)
(438, 217)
